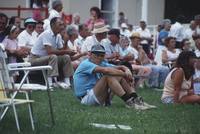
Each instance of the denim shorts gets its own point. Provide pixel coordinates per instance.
(90, 98)
(168, 100)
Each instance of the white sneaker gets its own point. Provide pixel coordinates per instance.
(63, 85)
(131, 103)
(141, 105)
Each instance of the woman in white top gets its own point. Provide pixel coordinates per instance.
(170, 54)
(178, 84)
(72, 33)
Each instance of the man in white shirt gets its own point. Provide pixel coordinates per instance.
(76, 20)
(177, 31)
(99, 33)
(57, 7)
(38, 30)
(189, 32)
(124, 30)
(114, 53)
(83, 34)
(145, 35)
(48, 51)
(25, 38)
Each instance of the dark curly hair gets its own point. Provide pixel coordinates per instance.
(183, 61)
(97, 10)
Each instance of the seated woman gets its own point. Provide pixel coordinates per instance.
(170, 54)
(178, 84)
(69, 35)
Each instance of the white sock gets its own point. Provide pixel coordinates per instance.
(67, 81)
(50, 81)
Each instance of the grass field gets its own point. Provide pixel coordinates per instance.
(73, 118)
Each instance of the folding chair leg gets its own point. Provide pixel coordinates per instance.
(31, 116)
(49, 97)
(16, 118)
(51, 108)
(4, 112)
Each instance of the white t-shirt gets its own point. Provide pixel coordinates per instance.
(110, 49)
(89, 42)
(173, 56)
(26, 39)
(71, 45)
(52, 13)
(177, 31)
(47, 38)
(144, 34)
(133, 51)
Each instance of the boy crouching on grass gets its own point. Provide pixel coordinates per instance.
(94, 77)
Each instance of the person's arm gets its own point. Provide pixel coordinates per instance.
(110, 71)
(128, 57)
(164, 57)
(177, 77)
(77, 56)
(50, 51)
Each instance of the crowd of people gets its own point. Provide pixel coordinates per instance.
(102, 61)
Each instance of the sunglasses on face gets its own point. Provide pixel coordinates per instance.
(99, 54)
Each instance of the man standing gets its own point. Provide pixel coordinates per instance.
(94, 78)
(48, 51)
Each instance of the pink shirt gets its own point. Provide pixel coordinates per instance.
(11, 45)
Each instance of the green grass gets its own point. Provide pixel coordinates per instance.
(73, 118)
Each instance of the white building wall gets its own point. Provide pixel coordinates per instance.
(155, 11)
(12, 3)
(80, 6)
(132, 10)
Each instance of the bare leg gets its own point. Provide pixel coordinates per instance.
(102, 86)
(190, 99)
(126, 86)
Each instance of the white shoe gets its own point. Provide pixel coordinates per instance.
(131, 103)
(63, 85)
(141, 105)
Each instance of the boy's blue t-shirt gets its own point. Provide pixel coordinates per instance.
(162, 35)
(84, 78)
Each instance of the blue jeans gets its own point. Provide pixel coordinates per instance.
(158, 75)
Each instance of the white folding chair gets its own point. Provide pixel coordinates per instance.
(24, 83)
(6, 102)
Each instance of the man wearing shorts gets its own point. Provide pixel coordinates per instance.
(95, 78)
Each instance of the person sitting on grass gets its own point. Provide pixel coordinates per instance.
(95, 78)
(178, 84)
